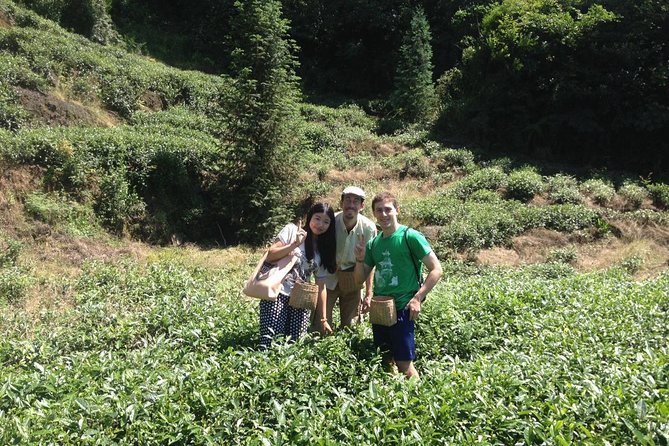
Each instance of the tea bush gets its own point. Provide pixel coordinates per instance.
(165, 353)
(411, 163)
(562, 217)
(46, 52)
(454, 159)
(154, 166)
(14, 283)
(601, 191)
(116, 204)
(14, 70)
(660, 194)
(12, 116)
(632, 264)
(486, 220)
(524, 184)
(490, 178)
(633, 194)
(566, 255)
(563, 189)
(9, 251)
(62, 213)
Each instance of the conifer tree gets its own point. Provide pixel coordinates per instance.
(263, 105)
(413, 98)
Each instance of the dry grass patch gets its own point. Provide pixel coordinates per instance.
(352, 176)
(58, 254)
(376, 148)
(207, 258)
(5, 22)
(534, 245)
(629, 230)
(654, 257)
(499, 257)
(15, 184)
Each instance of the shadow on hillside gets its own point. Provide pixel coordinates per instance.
(244, 340)
(363, 348)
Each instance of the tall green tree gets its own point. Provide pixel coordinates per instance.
(576, 81)
(413, 97)
(261, 109)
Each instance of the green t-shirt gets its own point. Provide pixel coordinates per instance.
(395, 274)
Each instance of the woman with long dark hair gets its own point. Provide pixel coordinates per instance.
(314, 244)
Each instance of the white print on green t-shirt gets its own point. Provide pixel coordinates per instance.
(384, 271)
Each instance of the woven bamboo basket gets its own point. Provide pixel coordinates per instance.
(346, 281)
(382, 311)
(304, 295)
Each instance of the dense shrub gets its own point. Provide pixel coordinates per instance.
(454, 159)
(411, 163)
(12, 116)
(524, 184)
(563, 189)
(566, 217)
(601, 191)
(563, 255)
(525, 80)
(633, 194)
(50, 52)
(9, 251)
(116, 204)
(62, 213)
(333, 129)
(490, 178)
(660, 194)
(14, 283)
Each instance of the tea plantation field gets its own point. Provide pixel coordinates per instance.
(161, 352)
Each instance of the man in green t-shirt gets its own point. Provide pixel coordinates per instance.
(398, 254)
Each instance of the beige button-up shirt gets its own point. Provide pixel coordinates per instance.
(346, 243)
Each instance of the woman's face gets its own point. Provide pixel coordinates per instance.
(319, 223)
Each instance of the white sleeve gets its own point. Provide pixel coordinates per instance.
(287, 234)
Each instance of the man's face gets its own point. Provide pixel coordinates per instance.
(351, 205)
(385, 213)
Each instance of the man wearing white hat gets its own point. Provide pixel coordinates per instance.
(349, 223)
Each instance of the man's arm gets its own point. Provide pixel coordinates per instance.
(369, 292)
(433, 265)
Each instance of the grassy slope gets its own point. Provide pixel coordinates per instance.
(108, 339)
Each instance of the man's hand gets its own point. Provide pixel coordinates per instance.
(414, 308)
(366, 303)
(359, 249)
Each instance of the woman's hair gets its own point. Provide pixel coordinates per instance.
(326, 242)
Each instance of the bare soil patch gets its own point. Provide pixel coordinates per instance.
(47, 109)
(152, 101)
